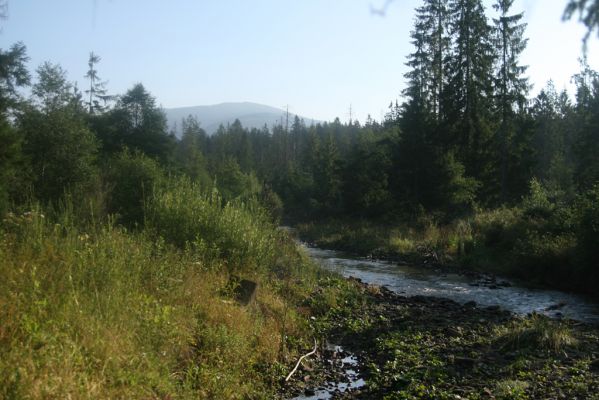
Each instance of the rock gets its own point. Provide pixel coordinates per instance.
(493, 308)
(245, 292)
(470, 304)
(309, 392)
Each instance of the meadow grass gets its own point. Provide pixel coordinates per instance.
(102, 312)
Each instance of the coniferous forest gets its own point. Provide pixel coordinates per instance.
(122, 246)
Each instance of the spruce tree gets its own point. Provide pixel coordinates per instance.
(511, 87)
(432, 41)
(97, 87)
(468, 95)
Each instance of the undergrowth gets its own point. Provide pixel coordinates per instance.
(103, 312)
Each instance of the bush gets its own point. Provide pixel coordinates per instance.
(537, 203)
(240, 234)
(132, 178)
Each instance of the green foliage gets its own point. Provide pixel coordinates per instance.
(99, 312)
(459, 188)
(366, 181)
(272, 203)
(233, 183)
(137, 124)
(133, 178)
(56, 140)
(238, 233)
(190, 151)
(10, 165)
(537, 203)
(13, 74)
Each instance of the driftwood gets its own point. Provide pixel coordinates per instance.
(300, 360)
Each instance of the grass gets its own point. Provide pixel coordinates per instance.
(102, 312)
(539, 333)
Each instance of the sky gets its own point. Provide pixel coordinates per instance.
(319, 57)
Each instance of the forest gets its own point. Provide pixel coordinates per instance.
(121, 245)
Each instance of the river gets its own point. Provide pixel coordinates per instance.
(411, 281)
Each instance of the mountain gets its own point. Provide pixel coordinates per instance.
(251, 115)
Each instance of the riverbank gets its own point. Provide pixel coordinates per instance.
(102, 312)
(433, 348)
(503, 242)
(98, 311)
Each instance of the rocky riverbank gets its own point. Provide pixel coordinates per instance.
(425, 347)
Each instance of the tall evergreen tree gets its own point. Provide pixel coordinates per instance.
(431, 39)
(511, 86)
(587, 126)
(97, 87)
(469, 93)
(191, 148)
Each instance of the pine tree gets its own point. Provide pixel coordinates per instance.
(587, 126)
(511, 86)
(432, 42)
(468, 95)
(97, 88)
(191, 149)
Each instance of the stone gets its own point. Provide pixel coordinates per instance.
(245, 292)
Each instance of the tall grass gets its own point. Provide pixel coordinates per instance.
(238, 233)
(106, 313)
(536, 333)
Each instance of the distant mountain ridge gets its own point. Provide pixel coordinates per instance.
(251, 115)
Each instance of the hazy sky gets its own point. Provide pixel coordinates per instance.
(317, 56)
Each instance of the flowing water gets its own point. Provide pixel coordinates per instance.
(410, 281)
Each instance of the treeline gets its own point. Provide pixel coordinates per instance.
(467, 135)
(103, 154)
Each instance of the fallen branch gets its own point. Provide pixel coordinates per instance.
(300, 360)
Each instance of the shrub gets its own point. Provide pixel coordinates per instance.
(238, 233)
(132, 177)
(537, 203)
